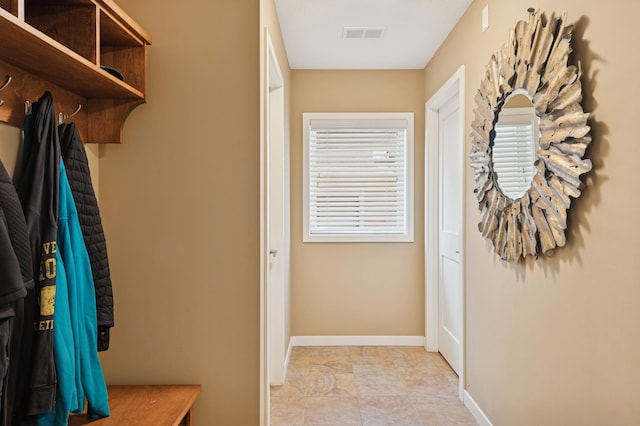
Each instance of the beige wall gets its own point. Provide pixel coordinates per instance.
(357, 288)
(556, 341)
(180, 201)
(10, 147)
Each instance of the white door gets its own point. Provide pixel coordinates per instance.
(277, 223)
(449, 285)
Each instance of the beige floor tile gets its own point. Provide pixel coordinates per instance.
(442, 410)
(300, 351)
(367, 385)
(369, 352)
(440, 383)
(407, 351)
(331, 385)
(386, 410)
(298, 364)
(380, 384)
(287, 411)
(369, 368)
(444, 416)
(340, 351)
(422, 364)
(330, 364)
(281, 392)
(294, 385)
(332, 410)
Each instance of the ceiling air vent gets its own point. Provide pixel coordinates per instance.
(351, 33)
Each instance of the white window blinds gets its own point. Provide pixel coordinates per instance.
(358, 170)
(514, 150)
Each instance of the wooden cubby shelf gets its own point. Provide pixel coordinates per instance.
(60, 46)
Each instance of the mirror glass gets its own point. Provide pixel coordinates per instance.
(514, 145)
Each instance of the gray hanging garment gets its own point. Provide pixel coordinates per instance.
(37, 188)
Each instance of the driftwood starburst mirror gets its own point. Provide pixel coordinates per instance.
(528, 140)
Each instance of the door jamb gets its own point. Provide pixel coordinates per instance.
(454, 86)
(275, 313)
(275, 294)
(272, 75)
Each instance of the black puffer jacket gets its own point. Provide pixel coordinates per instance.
(21, 250)
(17, 227)
(77, 166)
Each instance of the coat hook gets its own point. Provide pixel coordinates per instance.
(63, 117)
(4, 86)
(6, 82)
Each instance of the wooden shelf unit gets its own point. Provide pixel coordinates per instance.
(60, 46)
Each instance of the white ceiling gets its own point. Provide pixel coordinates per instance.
(414, 30)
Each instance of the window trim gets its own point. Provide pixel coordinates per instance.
(409, 171)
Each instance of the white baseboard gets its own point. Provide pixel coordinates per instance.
(475, 410)
(357, 341)
(287, 358)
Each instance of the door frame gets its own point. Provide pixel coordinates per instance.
(271, 76)
(453, 87)
(276, 291)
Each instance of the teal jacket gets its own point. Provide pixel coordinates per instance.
(75, 331)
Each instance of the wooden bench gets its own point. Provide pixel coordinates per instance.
(142, 405)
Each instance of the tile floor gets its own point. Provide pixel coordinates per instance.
(367, 385)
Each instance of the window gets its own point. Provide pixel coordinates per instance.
(358, 177)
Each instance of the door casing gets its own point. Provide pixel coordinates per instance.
(453, 87)
(277, 226)
(272, 330)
